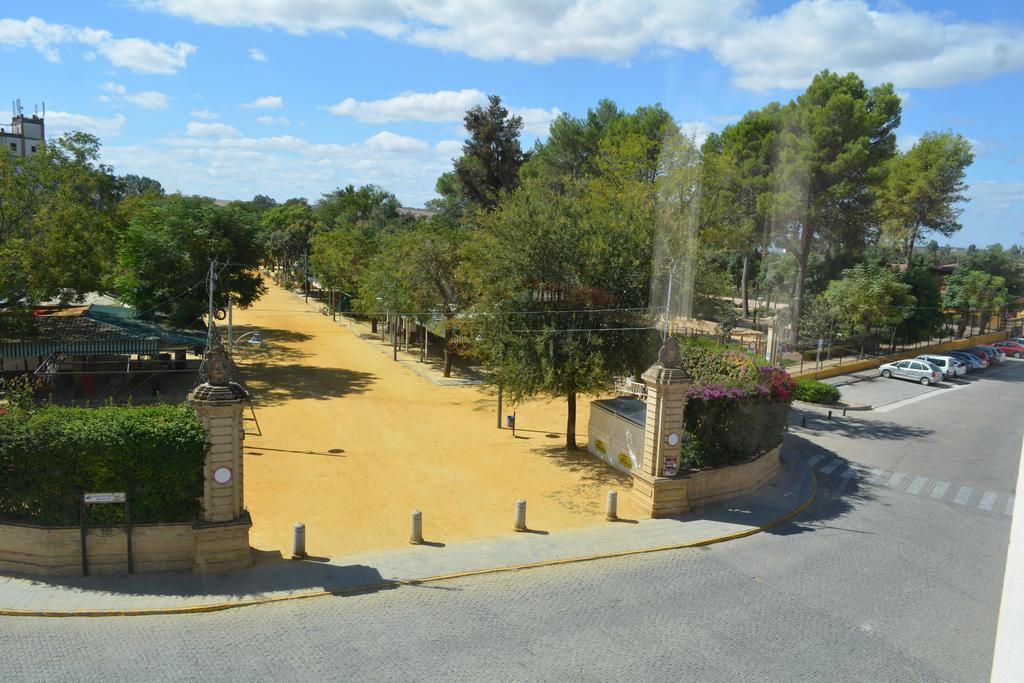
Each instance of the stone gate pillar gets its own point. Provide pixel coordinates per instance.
(657, 490)
(218, 404)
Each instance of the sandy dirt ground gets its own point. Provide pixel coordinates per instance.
(353, 442)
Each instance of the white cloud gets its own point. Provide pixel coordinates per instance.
(911, 48)
(450, 148)
(907, 47)
(135, 54)
(390, 142)
(535, 120)
(197, 129)
(221, 162)
(257, 55)
(269, 102)
(204, 114)
(698, 130)
(443, 105)
(146, 57)
(436, 107)
(271, 120)
(149, 99)
(996, 209)
(904, 141)
(60, 122)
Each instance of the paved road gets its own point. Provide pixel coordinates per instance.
(878, 580)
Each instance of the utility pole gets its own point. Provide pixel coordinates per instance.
(209, 288)
(305, 277)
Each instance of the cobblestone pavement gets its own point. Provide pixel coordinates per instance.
(872, 582)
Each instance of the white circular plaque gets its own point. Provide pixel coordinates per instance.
(672, 438)
(222, 475)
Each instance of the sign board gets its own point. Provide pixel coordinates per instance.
(93, 498)
(821, 344)
(752, 346)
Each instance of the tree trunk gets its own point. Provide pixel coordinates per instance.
(910, 247)
(962, 326)
(570, 423)
(373, 325)
(797, 307)
(744, 287)
(448, 349)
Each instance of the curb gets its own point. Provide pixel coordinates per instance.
(384, 585)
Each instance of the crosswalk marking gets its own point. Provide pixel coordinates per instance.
(815, 459)
(963, 495)
(895, 480)
(832, 466)
(916, 485)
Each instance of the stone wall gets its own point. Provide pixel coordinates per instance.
(721, 483)
(57, 551)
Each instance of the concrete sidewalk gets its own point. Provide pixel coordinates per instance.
(269, 581)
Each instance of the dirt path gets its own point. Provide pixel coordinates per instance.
(353, 442)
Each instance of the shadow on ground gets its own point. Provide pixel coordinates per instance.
(854, 427)
(273, 384)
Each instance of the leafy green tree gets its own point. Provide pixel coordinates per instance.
(285, 232)
(833, 146)
(559, 274)
(351, 206)
(866, 296)
(995, 260)
(738, 167)
(974, 292)
(165, 253)
(922, 190)
(58, 221)
(491, 157)
(926, 319)
(133, 185)
(262, 202)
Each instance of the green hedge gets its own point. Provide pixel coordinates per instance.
(813, 391)
(721, 431)
(50, 455)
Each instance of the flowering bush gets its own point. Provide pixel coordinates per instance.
(735, 409)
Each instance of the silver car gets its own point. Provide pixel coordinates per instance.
(951, 367)
(918, 370)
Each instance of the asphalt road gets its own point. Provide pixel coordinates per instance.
(889, 575)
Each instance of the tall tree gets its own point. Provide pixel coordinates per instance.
(833, 146)
(869, 295)
(492, 156)
(560, 274)
(974, 292)
(737, 186)
(995, 260)
(133, 185)
(922, 190)
(165, 253)
(58, 221)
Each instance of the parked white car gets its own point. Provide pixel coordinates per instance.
(914, 369)
(951, 367)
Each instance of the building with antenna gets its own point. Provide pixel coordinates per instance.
(26, 134)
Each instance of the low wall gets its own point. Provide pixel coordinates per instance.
(57, 551)
(664, 496)
(721, 483)
(869, 363)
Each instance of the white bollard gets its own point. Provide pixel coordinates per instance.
(299, 542)
(520, 515)
(612, 514)
(416, 537)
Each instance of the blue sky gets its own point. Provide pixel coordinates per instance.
(232, 98)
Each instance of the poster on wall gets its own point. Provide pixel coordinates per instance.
(671, 467)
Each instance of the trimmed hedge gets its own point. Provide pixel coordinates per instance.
(50, 455)
(721, 431)
(813, 391)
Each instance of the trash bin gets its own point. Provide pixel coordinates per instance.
(510, 421)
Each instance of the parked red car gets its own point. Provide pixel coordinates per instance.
(1010, 348)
